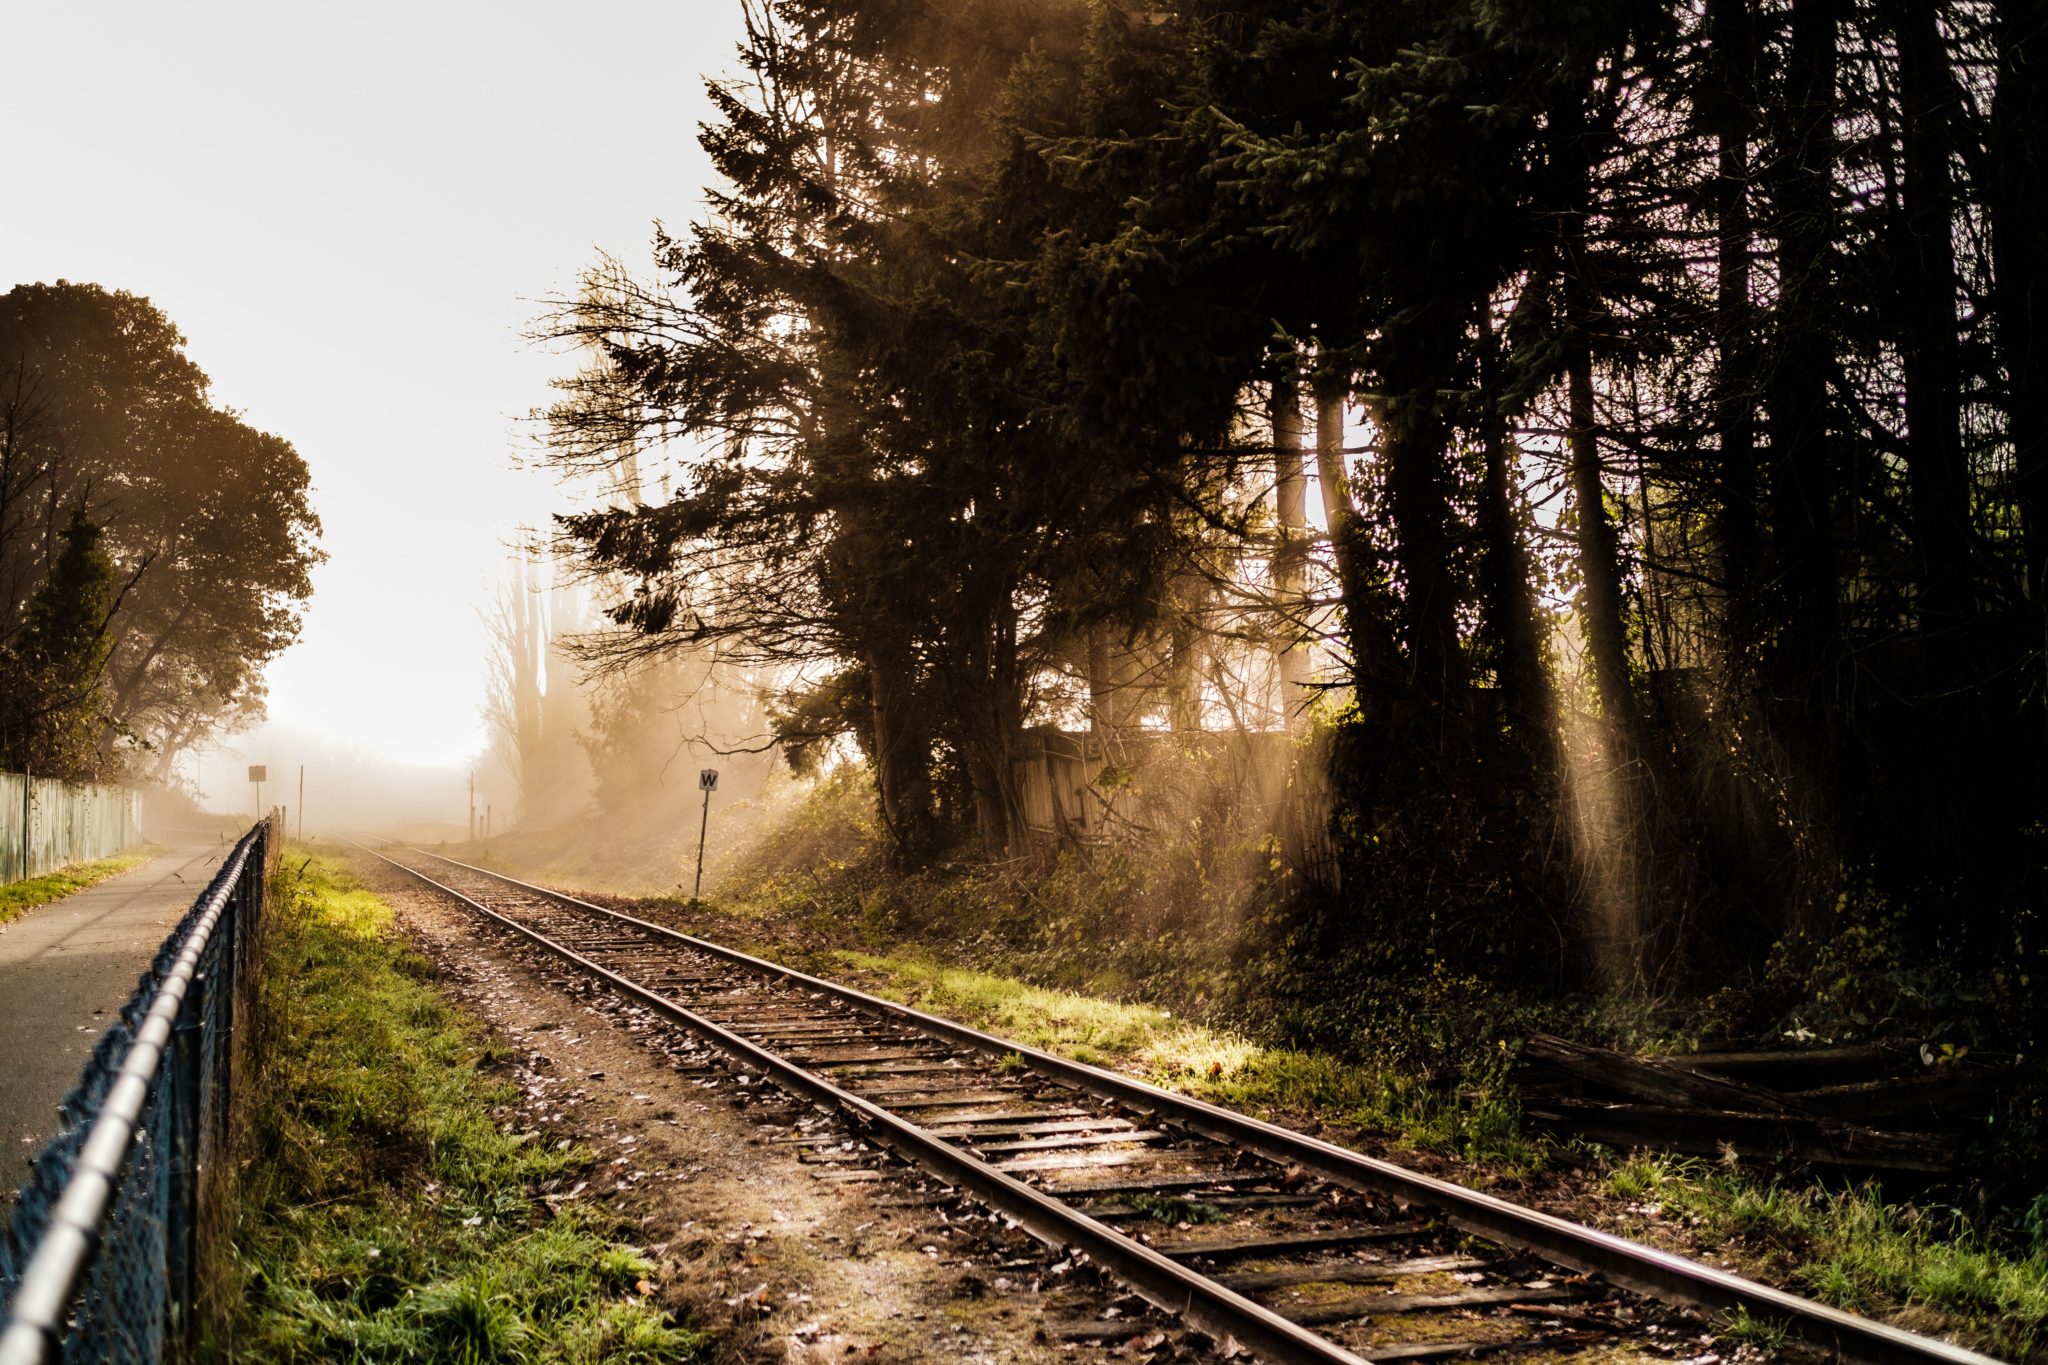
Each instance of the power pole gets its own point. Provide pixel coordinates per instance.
(302, 803)
(472, 805)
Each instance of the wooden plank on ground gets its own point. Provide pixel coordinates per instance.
(1655, 1083)
(1352, 1272)
(1704, 1132)
(1284, 1244)
(1383, 1305)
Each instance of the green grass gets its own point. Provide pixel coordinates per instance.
(16, 898)
(1764, 1334)
(383, 1214)
(1930, 1267)
(1211, 1064)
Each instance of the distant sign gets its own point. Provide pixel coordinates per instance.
(707, 779)
(258, 773)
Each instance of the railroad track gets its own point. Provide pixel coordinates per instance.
(1295, 1248)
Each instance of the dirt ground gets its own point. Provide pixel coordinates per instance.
(799, 1247)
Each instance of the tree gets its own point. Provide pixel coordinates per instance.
(986, 383)
(53, 671)
(873, 485)
(206, 520)
(535, 706)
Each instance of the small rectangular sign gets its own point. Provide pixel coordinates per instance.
(707, 779)
(259, 772)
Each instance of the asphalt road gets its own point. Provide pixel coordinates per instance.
(65, 969)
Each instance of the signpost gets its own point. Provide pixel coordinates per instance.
(258, 773)
(707, 782)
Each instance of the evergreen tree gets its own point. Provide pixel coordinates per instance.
(55, 694)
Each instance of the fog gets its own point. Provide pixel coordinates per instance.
(350, 215)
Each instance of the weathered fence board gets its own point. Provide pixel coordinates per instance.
(46, 823)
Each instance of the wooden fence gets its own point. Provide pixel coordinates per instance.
(46, 823)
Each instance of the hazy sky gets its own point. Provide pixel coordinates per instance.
(348, 210)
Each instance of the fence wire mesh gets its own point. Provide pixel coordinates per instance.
(125, 1291)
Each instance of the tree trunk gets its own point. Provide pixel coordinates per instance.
(528, 644)
(1509, 605)
(2019, 239)
(1601, 606)
(1184, 685)
(1375, 660)
(1103, 722)
(1801, 461)
(1418, 361)
(903, 752)
(1730, 107)
(990, 713)
(1927, 329)
(1290, 505)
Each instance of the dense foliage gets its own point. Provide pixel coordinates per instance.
(155, 549)
(1679, 423)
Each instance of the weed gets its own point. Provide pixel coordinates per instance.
(1766, 1334)
(1851, 1247)
(1650, 1175)
(1165, 1209)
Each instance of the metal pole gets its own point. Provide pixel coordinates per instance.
(703, 828)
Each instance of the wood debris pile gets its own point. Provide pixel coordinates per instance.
(1866, 1107)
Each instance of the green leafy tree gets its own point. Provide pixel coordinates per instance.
(206, 520)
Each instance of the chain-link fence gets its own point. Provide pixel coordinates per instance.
(106, 1256)
(46, 823)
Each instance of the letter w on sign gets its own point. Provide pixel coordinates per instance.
(707, 779)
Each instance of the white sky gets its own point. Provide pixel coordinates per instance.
(348, 210)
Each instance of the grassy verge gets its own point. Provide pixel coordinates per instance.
(383, 1214)
(1931, 1268)
(1208, 1063)
(1928, 1270)
(16, 898)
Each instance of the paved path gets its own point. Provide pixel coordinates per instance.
(66, 968)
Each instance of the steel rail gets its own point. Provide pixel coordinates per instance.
(1631, 1265)
(1161, 1281)
(50, 1281)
